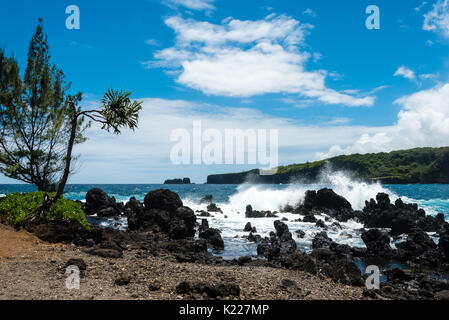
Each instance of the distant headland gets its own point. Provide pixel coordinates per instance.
(413, 166)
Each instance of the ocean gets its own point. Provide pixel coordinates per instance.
(233, 199)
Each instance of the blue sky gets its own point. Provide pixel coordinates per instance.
(310, 69)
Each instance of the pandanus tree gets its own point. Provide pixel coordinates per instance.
(40, 123)
(117, 111)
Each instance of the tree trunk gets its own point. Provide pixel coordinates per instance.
(68, 161)
(49, 201)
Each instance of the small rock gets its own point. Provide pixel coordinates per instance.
(123, 280)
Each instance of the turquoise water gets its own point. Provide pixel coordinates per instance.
(232, 199)
(430, 196)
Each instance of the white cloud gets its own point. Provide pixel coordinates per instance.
(422, 122)
(428, 76)
(338, 121)
(422, 5)
(405, 72)
(247, 58)
(309, 12)
(438, 18)
(152, 42)
(143, 156)
(192, 4)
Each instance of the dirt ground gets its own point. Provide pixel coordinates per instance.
(32, 269)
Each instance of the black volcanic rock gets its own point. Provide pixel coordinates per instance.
(65, 232)
(249, 228)
(212, 207)
(401, 218)
(163, 211)
(327, 201)
(321, 240)
(213, 237)
(207, 199)
(419, 248)
(98, 202)
(163, 199)
(377, 243)
(325, 198)
(280, 243)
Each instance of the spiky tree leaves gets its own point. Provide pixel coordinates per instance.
(40, 123)
(33, 117)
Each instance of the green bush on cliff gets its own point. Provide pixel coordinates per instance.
(419, 165)
(16, 208)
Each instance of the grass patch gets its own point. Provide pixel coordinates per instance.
(17, 208)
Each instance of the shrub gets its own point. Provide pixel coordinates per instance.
(17, 208)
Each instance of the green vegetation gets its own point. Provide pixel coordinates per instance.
(40, 123)
(420, 165)
(17, 208)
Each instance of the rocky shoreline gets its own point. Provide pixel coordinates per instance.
(162, 230)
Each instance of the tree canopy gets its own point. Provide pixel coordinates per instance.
(34, 123)
(40, 122)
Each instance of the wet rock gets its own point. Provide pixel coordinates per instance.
(213, 237)
(163, 199)
(280, 243)
(321, 240)
(320, 224)
(300, 261)
(401, 218)
(213, 208)
(335, 226)
(325, 200)
(204, 225)
(249, 228)
(281, 228)
(344, 271)
(301, 234)
(178, 223)
(98, 202)
(254, 237)
(397, 275)
(324, 254)
(377, 243)
(309, 218)
(203, 213)
(288, 208)
(108, 212)
(443, 245)
(207, 199)
(250, 213)
(133, 205)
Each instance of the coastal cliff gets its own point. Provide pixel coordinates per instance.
(419, 165)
